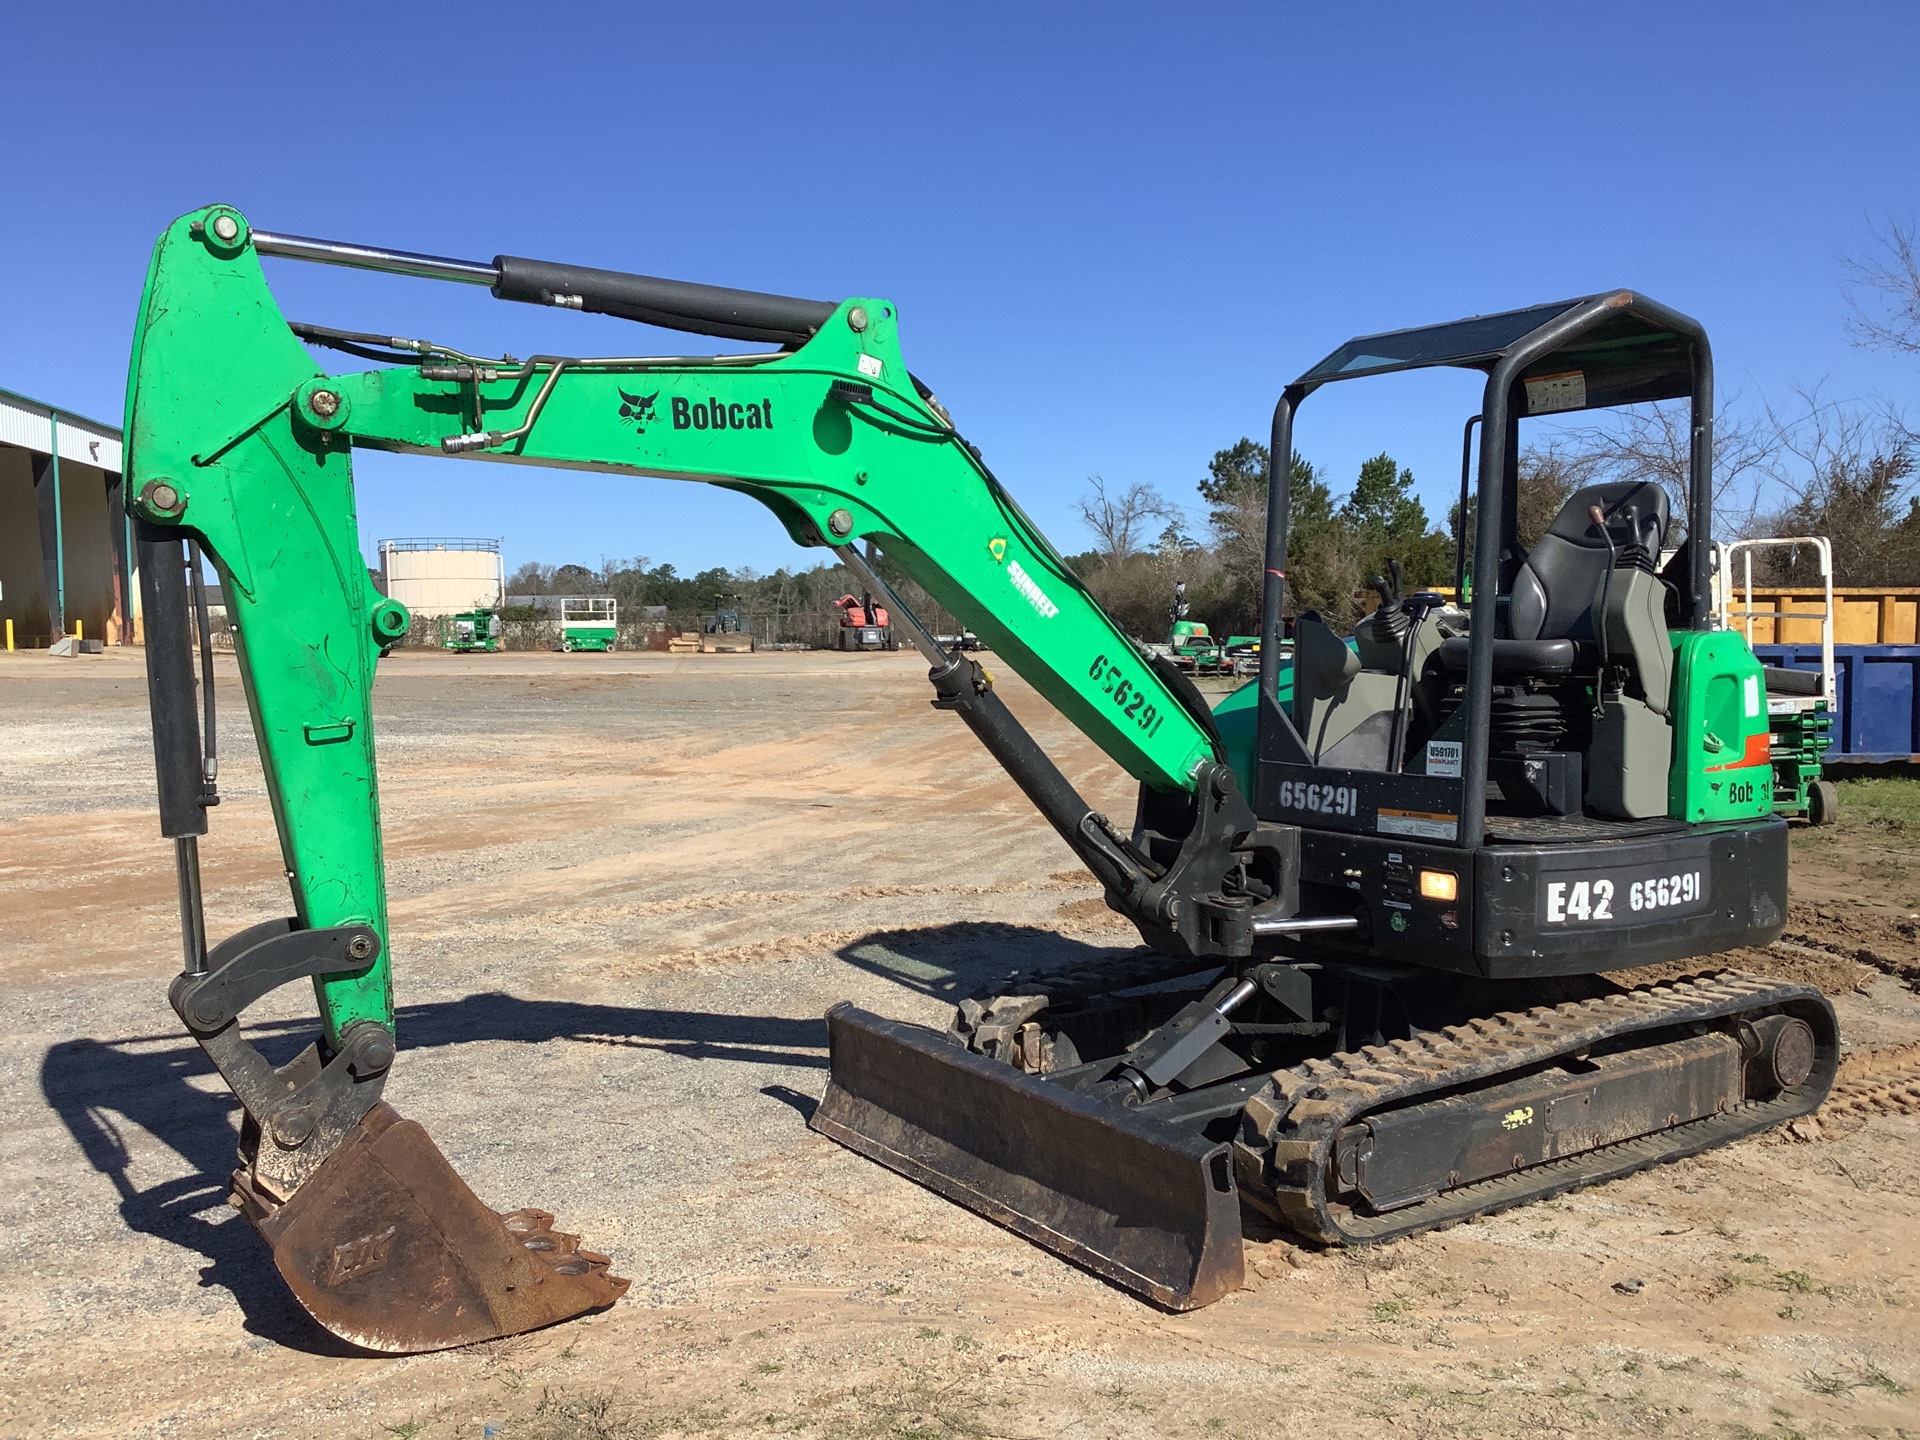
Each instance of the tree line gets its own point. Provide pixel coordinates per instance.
(790, 606)
(1845, 469)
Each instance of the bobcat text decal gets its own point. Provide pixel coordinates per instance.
(719, 415)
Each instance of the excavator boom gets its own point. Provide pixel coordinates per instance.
(240, 450)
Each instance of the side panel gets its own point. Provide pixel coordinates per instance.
(1532, 910)
(1722, 766)
(1573, 909)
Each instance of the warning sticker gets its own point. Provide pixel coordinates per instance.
(1419, 824)
(1565, 391)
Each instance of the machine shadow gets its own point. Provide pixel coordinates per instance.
(159, 1083)
(164, 1085)
(950, 962)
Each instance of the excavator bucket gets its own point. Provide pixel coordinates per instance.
(1140, 1203)
(387, 1248)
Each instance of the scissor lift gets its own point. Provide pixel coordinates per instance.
(1799, 702)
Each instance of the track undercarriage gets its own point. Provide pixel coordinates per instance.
(1120, 1115)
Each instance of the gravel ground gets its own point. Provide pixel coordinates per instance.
(625, 889)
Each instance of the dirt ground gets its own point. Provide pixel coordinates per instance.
(625, 889)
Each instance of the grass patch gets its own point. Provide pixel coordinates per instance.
(593, 1415)
(1874, 1378)
(1866, 1377)
(1889, 806)
(1829, 1384)
(920, 1406)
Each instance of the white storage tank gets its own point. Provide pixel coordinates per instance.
(441, 576)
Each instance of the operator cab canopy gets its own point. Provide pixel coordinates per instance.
(1614, 348)
(1633, 350)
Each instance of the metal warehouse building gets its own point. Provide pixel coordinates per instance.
(65, 566)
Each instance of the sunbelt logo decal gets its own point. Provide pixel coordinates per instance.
(1035, 596)
(1029, 589)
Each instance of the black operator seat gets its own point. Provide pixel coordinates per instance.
(1548, 622)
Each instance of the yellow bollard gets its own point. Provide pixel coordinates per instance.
(9, 634)
(79, 629)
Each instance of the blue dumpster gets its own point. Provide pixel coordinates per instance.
(1876, 713)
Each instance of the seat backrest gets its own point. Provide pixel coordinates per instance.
(1557, 588)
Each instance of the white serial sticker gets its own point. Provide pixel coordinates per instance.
(1565, 391)
(1443, 757)
(871, 366)
(1418, 824)
(1753, 696)
(1035, 596)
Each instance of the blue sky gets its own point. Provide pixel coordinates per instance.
(1113, 231)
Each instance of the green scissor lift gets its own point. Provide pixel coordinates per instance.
(589, 622)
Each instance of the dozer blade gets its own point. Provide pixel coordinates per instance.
(1147, 1206)
(387, 1248)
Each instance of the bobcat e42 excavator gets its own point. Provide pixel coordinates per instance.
(1376, 892)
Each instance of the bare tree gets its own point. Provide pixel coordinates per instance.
(1846, 471)
(1655, 442)
(532, 578)
(1122, 519)
(1884, 292)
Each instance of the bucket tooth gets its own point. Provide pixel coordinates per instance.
(1143, 1204)
(387, 1247)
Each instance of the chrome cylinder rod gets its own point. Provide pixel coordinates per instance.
(371, 257)
(193, 918)
(1303, 924)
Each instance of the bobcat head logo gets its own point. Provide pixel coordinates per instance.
(637, 410)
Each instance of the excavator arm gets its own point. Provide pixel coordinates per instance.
(240, 449)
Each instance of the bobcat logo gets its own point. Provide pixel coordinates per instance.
(637, 410)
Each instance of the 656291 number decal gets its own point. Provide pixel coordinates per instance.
(1127, 699)
(1320, 799)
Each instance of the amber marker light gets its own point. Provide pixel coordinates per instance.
(1439, 885)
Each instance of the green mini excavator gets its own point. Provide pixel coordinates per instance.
(1377, 892)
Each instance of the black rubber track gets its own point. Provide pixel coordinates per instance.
(1283, 1157)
